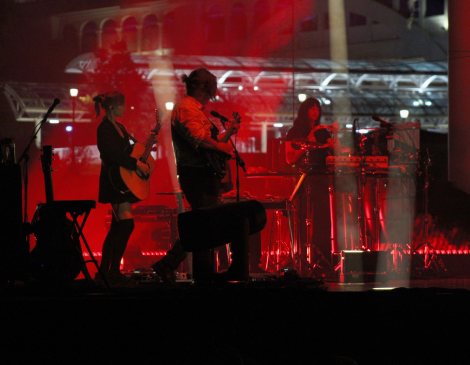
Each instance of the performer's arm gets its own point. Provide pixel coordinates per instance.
(292, 154)
(109, 149)
(235, 128)
(335, 149)
(143, 168)
(211, 144)
(192, 129)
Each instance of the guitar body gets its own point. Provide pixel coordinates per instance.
(129, 181)
(55, 257)
(217, 162)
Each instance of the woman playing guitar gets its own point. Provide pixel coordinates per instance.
(112, 141)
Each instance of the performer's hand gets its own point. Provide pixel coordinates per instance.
(153, 137)
(226, 147)
(142, 168)
(311, 137)
(335, 126)
(236, 127)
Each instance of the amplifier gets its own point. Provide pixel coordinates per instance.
(149, 213)
(274, 204)
(362, 266)
(371, 162)
(155, 227)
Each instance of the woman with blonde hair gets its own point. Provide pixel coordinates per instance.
(113, 143)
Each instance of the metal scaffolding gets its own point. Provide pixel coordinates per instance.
(268, 89)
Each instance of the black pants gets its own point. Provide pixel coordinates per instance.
(201, 189)
(315, 207)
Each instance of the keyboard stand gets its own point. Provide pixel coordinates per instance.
(75, 208)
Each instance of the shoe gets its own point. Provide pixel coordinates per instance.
(164, 272)
(118, 280)
(99, 279)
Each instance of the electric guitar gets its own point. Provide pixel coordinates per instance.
(216, 159)
(125, 180)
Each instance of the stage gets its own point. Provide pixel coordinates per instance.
(271, 321)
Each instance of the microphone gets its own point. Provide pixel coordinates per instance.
(383, 123)
(220, 116)
(56, 102)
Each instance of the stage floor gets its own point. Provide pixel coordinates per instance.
(444, 283)
(270, 322)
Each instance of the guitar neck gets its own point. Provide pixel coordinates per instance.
(48, 186)
(229, 132)
(150, 140)
(148, 148)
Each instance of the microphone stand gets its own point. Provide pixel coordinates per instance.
(239, 163)
(25, 156)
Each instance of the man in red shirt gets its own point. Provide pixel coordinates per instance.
(192, 133)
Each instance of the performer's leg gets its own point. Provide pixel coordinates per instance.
(255, 253)
(238, 270)
(108, 246)
(123, 212)
(201, 189)
(175, 255)
(194, 183)
(126, 226)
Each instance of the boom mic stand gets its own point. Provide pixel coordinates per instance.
(239, 163)
(434, 260)
(359, 150)
(25, 156)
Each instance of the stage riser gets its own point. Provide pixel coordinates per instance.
(362, 266)
(455, 264)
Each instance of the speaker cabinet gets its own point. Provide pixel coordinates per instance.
(13, 245)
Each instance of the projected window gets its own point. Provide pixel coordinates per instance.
(309, 24)
(150, 33)
(215, 24)
(169, 30)
(260, 13)
(109, 34)
(283, 15)
(129, 33)
(239, 22)
(70, 38)
(89, 37)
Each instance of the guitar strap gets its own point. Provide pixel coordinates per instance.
(214, 131)
(127, 134)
